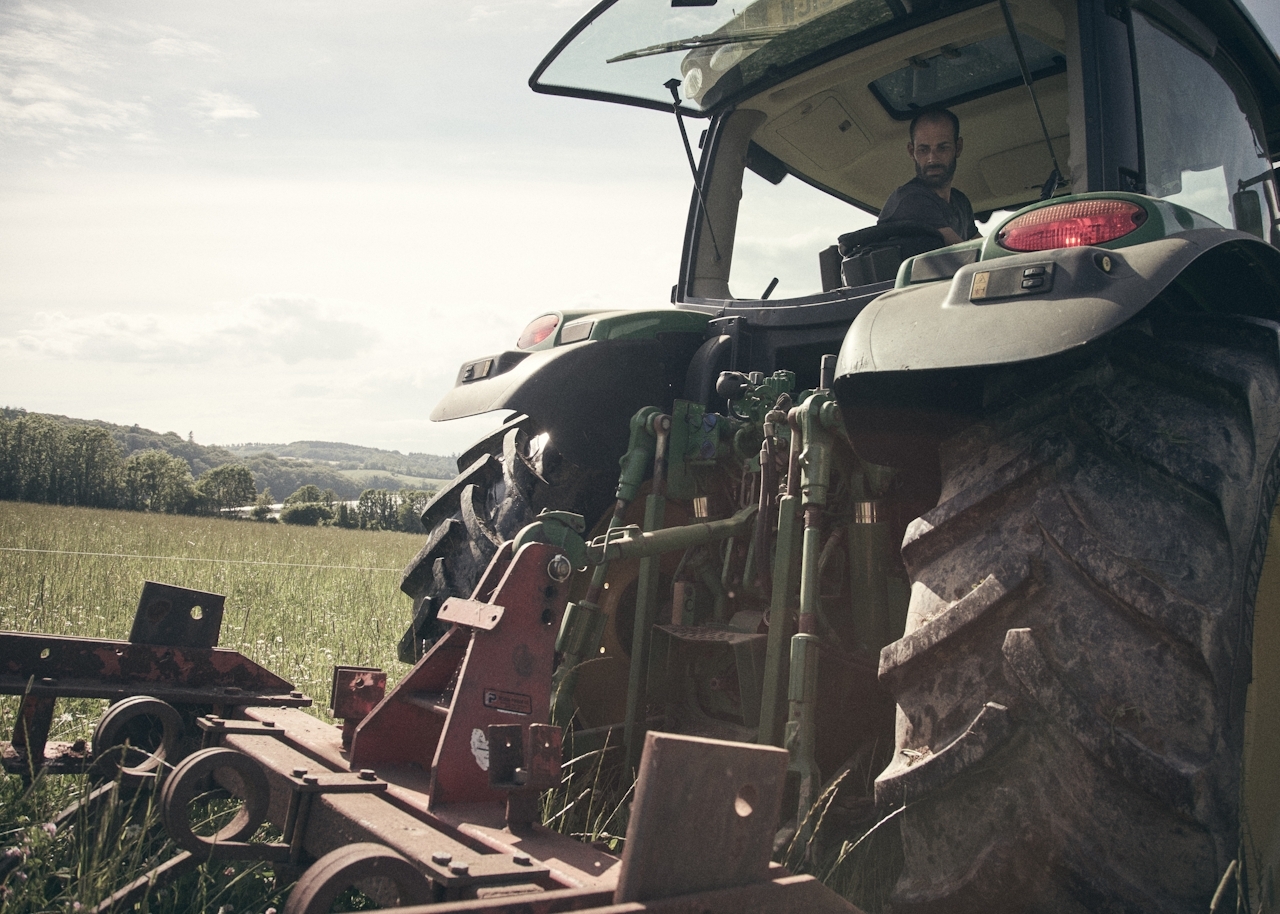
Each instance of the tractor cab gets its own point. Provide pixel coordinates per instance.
(806, 107)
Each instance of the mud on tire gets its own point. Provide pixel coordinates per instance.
(1072, 680)
(504, 480)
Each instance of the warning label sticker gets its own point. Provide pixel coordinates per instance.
(508, 701)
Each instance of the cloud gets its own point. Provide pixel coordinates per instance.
(48, 59)
(34, 104)
(180, 46)
(68, 78)
(219, 106)
(32, 36)
(266, 328)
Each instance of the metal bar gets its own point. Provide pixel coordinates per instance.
(103, 668)
(338, 819)
(784, 894)
(647, 585)
(162, 875)
(31, 728)
(1026, 79)
(776, 664)
(629, 543)
(816, 417)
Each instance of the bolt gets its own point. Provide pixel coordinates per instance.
(441, 857)
(268, 723)
(310, 779)
(295, 694)
(559, 569)
(459, 868)
(367, 774)
(521, 860)
(299, 772)
(217, 721)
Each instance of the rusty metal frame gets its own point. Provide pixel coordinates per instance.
(191, 672)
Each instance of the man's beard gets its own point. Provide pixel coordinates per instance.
(937, 179)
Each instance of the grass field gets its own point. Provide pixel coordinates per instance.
(299, 600)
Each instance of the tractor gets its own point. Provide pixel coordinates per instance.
(977, 532)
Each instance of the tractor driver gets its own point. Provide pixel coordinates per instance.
(929, 199)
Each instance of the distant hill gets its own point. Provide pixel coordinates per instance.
(134, 438)
(354, 457)
(348, 469)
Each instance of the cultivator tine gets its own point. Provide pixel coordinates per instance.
(125, 898)
(31, 732)
(87, 805)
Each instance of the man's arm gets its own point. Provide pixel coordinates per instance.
(919, 207)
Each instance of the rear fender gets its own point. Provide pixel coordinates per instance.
(584, 393)
(913, 362)
(952, 325)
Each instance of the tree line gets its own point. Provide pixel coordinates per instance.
(82, 465)
(376, 509)
(45, 461)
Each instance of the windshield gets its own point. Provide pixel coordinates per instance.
(630, 50)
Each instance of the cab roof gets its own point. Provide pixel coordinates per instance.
(712, 54)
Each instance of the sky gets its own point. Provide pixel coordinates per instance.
(285, 221)
(278, 222)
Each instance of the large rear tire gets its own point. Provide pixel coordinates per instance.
(505, 479)
(1072, 681)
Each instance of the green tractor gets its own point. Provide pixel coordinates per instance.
(977, 531)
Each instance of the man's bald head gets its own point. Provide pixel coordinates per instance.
(936, 116)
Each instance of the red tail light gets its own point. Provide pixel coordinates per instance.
(538, 330)
(1071, 225)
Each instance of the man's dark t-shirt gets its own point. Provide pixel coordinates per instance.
(914, 202)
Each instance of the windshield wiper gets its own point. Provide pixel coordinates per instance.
(703, 41)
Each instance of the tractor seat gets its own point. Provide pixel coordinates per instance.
(874, 254)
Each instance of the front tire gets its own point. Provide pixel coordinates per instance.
(1072, 681)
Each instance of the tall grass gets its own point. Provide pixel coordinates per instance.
(298, 601)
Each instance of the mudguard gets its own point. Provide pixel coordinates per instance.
(584, 393)
(912, 365)
(1088, 291)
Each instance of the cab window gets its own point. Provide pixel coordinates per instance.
(817, 156)
(781, 229)
(1201, 147)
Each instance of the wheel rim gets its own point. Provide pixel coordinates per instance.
(112, 746)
